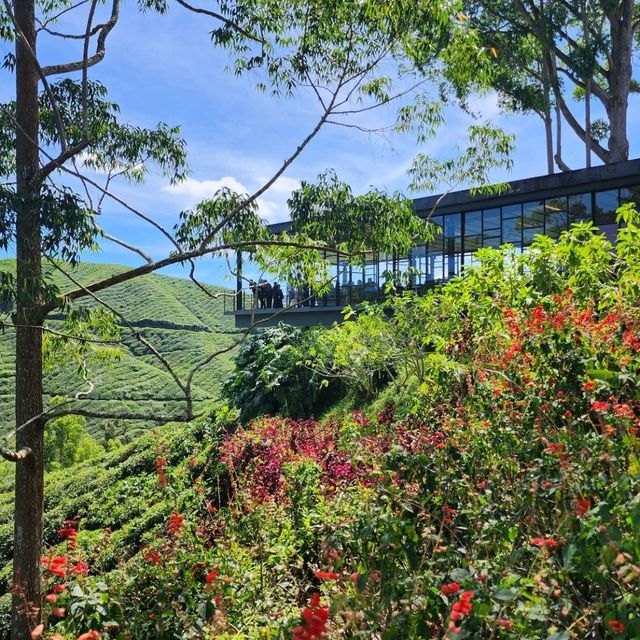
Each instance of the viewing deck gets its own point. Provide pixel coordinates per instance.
(541, 205)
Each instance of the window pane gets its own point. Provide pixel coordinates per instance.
(533, 214)
(511, 211)
(512, 230)
(437, 220)
(631, 194)
(472, 244)
(580, 207)
(557, 219)
(453, 225)
(473, 223)
(529, 234)
(490, 219)
(606, 203)
(492, 240)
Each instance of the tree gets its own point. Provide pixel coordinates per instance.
(555, 51)
(336, 49)
(66, 442)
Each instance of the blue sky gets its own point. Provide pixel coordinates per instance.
(164, 68)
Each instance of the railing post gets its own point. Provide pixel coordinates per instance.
(239, 300)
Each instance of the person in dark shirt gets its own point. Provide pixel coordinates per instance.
(278, 296)
(261, 294)
(268, 295)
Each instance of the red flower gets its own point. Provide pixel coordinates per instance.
(543, 542)
(51, 597)
(326, 575)
(590, 385)
(314, 620)
(504, 623)
(211, 576)
(599, 405)
(623, 411)
(176, 523)
(459, 610)
(57, 565)
(59, 588)
(616, 627)
(89, 635)
(581, 506)
(450, 589)
(152, 556)
(80, 568)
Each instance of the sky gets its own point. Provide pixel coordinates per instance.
(165, 68)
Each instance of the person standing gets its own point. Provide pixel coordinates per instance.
(278, 296)
(268, 294)
(261, 292)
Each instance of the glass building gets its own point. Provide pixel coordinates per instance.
(543, 205)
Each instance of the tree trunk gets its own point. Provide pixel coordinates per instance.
(562, 165)
(620, 80)
(29, 502)
(548, 131)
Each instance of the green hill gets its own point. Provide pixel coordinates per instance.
(179, 319)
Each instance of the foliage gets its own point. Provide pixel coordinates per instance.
(67, 442)
(177, 317)
(270, 375)
(505, 504)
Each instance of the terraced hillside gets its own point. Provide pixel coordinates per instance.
(181, 321)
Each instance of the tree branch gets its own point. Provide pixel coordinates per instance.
(57, 69)
(221, 18)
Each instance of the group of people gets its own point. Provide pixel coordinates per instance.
(267, 295)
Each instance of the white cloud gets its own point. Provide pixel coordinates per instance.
(192, 191)
(272, 206)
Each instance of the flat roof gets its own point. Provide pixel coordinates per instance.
(600, 178)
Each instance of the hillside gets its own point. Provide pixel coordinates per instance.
(475, 476)
(181, 321)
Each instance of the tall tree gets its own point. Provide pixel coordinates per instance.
(336, 49)
(551, 52)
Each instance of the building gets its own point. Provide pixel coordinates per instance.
(543, 205)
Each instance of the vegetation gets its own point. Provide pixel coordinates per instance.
(498, 498)
(271, 375)
(179, 319)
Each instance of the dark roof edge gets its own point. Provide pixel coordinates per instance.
(597, 178)
(608, 176)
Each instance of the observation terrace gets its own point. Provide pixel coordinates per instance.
(546, 204)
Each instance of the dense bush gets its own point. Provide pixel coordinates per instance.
(504, 504)
(271, 375)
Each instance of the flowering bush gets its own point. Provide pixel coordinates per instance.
(503, 505)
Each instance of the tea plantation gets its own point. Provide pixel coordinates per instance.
(180, 320)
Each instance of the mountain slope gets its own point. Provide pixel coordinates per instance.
(179, 319)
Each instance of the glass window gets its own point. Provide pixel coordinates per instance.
(556, 216)
(453, 225)
(491, 239)
(533, 215)
(631, 194)
(473, 223)
(490, 220)
(511, 211)
(529, 234)
(472, 244)
(437, 220)
(512, 230)
(580, 207)
(605, 205)
(418, 264)
(435, 264)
